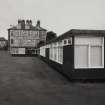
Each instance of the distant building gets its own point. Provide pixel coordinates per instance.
(3, 43)
(24, 37)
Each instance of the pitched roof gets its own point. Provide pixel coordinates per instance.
(39, 28)
(32, 27)
(12, 28)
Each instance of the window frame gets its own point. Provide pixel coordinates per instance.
(89, 55)
(12, 41)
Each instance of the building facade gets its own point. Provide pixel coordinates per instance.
(3, 43)
(78, 54)
(24, 37)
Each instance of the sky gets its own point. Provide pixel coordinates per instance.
(55, 15)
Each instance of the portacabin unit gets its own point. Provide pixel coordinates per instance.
(78, 54)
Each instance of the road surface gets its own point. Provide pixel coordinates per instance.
(30, 81)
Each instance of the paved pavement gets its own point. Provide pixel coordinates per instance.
(30, 81)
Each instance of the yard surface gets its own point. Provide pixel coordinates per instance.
(30, 81)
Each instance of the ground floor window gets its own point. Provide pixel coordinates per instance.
(81, 56)
(96, 56)
(12, 41)
(56, 54)
(42, 51)
(60, 55)
(89, 55)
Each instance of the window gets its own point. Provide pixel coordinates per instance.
(60, 55)
(65, 41)
(11, 33)
(96, 56)
(11, 41)
(89, 52)
(56, 54)
(81, 59)
(42, 51)
(70, 41)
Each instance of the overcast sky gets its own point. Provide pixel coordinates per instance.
(56, 15)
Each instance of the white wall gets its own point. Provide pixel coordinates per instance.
(21, 50)
(17, 51)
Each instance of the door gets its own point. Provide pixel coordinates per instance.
(47, 53)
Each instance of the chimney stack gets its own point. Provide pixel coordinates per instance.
(23, 24)
(27, 22)
(30, 21)
(38, 23)
(19, 24)
(19, 21)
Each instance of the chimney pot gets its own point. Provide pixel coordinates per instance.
(38, 23)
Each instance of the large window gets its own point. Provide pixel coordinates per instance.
(89, 52)
(81, 59)
(56, 54)
(42, 51)
(96, 56)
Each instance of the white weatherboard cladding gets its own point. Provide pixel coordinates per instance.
(89, 52)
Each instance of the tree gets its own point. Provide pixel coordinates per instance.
(50, 35)
(40, 43)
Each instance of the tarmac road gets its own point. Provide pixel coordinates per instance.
(30, 81)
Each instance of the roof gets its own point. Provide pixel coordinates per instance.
(79, 32)
(2, 39)
(84, 31)
(32, 28)
(39, 28)
(12, 28)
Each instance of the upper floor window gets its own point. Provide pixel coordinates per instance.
(11, 34)
(12, 41)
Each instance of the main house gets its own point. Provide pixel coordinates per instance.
(24, 37)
